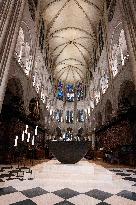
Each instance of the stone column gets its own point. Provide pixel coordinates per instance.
(75, 108)
(10, 18)
(84, 99)
(109, 55)
(64, 108)
(93, 140)
(128, 8)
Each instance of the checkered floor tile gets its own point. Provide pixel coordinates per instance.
(9, 173)
(66, 193)
(125, 174)
(97, 194)
(128, 195)
(64, 203)
(30, 193)
(25, 202)
(64, 180)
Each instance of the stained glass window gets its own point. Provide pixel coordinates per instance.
(81, 115)
(69, 116)
(70, 92)
(58, 115)
(60, 93)
(80, 92)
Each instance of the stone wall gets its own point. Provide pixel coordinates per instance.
(124, 73)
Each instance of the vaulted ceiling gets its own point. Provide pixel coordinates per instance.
(71, 35)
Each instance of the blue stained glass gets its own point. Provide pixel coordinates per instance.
(60, 85)
(60, 93)
(70, 95)
(70, 92)
(80, 92)
(70, 88)
(79, 87)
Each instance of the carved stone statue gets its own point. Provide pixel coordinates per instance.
(20, 44)
(115, 53)
(123, 46)
(28, 58)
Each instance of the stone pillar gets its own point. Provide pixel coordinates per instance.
(93, 140)
(84, 99)
(10, 18)
(64, 108)
(128, 8)
(75, 108)
(109, 55)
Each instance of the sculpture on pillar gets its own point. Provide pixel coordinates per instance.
(20, 44)
(115, 53)
(28, 58)
(119, 49)
(23, 52)
(123, 46)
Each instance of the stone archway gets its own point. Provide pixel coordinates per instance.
(127, 95)
(13, 99)
(13, 106)
(108, 110)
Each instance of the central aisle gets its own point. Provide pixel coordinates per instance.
(79, 176)
(83, 183)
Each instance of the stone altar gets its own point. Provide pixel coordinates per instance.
(69, 152)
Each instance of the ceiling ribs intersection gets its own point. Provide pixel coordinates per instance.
(71, 36)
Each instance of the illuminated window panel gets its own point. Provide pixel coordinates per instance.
(58, 115)
(80, 92)
(70, 93)
(60, 93)
(69, 116)
(81, 116)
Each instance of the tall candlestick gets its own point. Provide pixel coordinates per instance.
(26, 129)
(33, 140)
(36, 130)
(15, 145)
(23, 136)
(28, 137)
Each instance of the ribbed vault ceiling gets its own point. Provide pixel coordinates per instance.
(71, 35)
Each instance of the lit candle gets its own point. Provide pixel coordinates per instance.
(36, 130)
(15, 145)
(28, 137)
(23, 136)
(33, 140)
(26, 129)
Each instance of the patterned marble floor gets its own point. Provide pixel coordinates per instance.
(52, 183)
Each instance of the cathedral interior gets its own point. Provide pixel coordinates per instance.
(67, 102)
